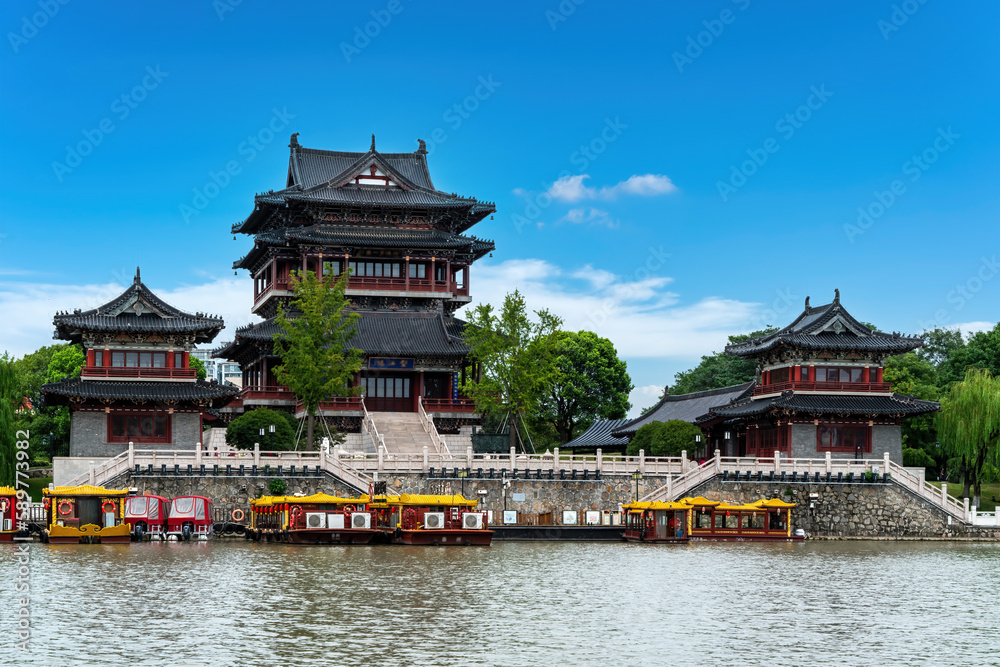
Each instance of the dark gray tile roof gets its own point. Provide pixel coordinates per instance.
(120, 315)
(686, 407)
(309, 167)
(381, 333)
(199, 390)
(812, 330)
(366, 236)
(599, 435)
(895, 404)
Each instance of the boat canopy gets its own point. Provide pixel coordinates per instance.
(656, 505)
(314, 499)
(456, 500)
(7, 491)
(774, 503)
(85, 490)
(698, 501)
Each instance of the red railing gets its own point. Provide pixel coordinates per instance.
(348, 403)
(822, 386)
(270, 392)
(130, 372)
(374, 283)
(449, 405)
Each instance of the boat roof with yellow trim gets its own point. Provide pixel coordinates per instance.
(413, 499)
(639, 506)
(699, 501)
(7, 491)
(773, 503)
(85, 490)
(314, 499)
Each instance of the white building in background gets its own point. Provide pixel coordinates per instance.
(221, 370)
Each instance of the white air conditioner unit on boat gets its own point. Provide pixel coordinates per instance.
(335, 521)
(315, 520)
(361, 521)
(472, 521)
(434, 520)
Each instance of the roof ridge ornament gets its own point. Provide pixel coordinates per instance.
(422, 150)
(373, 143)
(807, 305)
(836, 296)
(137, 279)
(294, 141)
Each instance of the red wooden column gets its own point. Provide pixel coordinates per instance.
(878, 375)
(90, 357)
(406, 272)
(866, 374)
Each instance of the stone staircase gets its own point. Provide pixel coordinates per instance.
(402, 432)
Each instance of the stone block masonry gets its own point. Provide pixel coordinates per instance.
(850, 510)
(89, 433)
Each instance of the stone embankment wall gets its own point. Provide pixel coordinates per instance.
(850, 510)
(230, 490)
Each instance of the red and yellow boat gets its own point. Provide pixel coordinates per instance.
(85, 515)
(432, 520)
(315, 519)
(8, 513)
(702, 519)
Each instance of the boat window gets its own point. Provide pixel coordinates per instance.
(776, 521)
(704, 519)
(182, 507)
(200, 509)
(154, 508)
(732, 521)
(136, 506)
(753, 521)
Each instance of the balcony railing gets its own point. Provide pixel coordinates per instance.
(268, 392)
(347, 403)
(131, 372)
(374, 283)
(800, 385)
(449, 405)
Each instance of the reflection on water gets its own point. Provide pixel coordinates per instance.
(237, 603)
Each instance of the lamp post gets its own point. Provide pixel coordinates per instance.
(697, 445)
(462, 474)
(728, 436)
(271, 441)
(262, 435)
(637, 476)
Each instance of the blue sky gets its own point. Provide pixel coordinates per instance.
(664, 174)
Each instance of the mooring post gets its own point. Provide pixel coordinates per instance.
(427, 462)
(829, 462)
(555, 459)
(600, 459)
(777, 461)
(642, 461)
(513, 452)
(684, 461)
(256, 454)
(131, 456)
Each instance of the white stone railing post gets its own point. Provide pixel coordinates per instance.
(829, 462)
(642, 461)
(322, 458)
(684, 461)
(555, 459)
(381, 459)
(198, 453)
(512, 454)
(93, 474)
(131, 456)
(600, 459)
(944, 494)
(670, 487)
(468, 457)
(885, 462)
(256, 454)
(777, 461)
(718, 461)
(427, 463)
(965, 504)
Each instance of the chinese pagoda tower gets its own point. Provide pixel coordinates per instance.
(136, 384)
(379, 217)
(820, 389)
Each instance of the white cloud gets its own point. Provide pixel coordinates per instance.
(643, 397)
(592, 216)
(28, 307)
(972, 327)
(572, 188)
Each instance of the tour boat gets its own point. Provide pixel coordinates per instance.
(421, 519)
(8, 513)
(703, 519)
(85, 515)
(147, 516)
(190, 516)
(315, 519)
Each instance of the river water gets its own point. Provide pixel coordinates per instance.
(230, 602)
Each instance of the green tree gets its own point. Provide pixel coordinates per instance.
(590, 383)
(915, 375)
(517, 359)
(199, 366)
(65, 363)
(32, 370)
(244, 431)
(667, 438)
(719, 369)
(969, 426)
(11, 397)
(982, 350)
(316, 360)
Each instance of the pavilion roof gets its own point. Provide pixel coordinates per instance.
(136, 310)
(363, 236)
(686, 407)
(827, 327)
(198, 391)
(820, 404)
(398, 334)
(327, 177)
(600, 434)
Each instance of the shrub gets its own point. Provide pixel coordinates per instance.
(917, 458)
(244, 431)
(277, 487)
(668, 438)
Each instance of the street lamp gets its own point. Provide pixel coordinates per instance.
(271, 441)
(462, 474)
(637, 476)
(697, 446)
